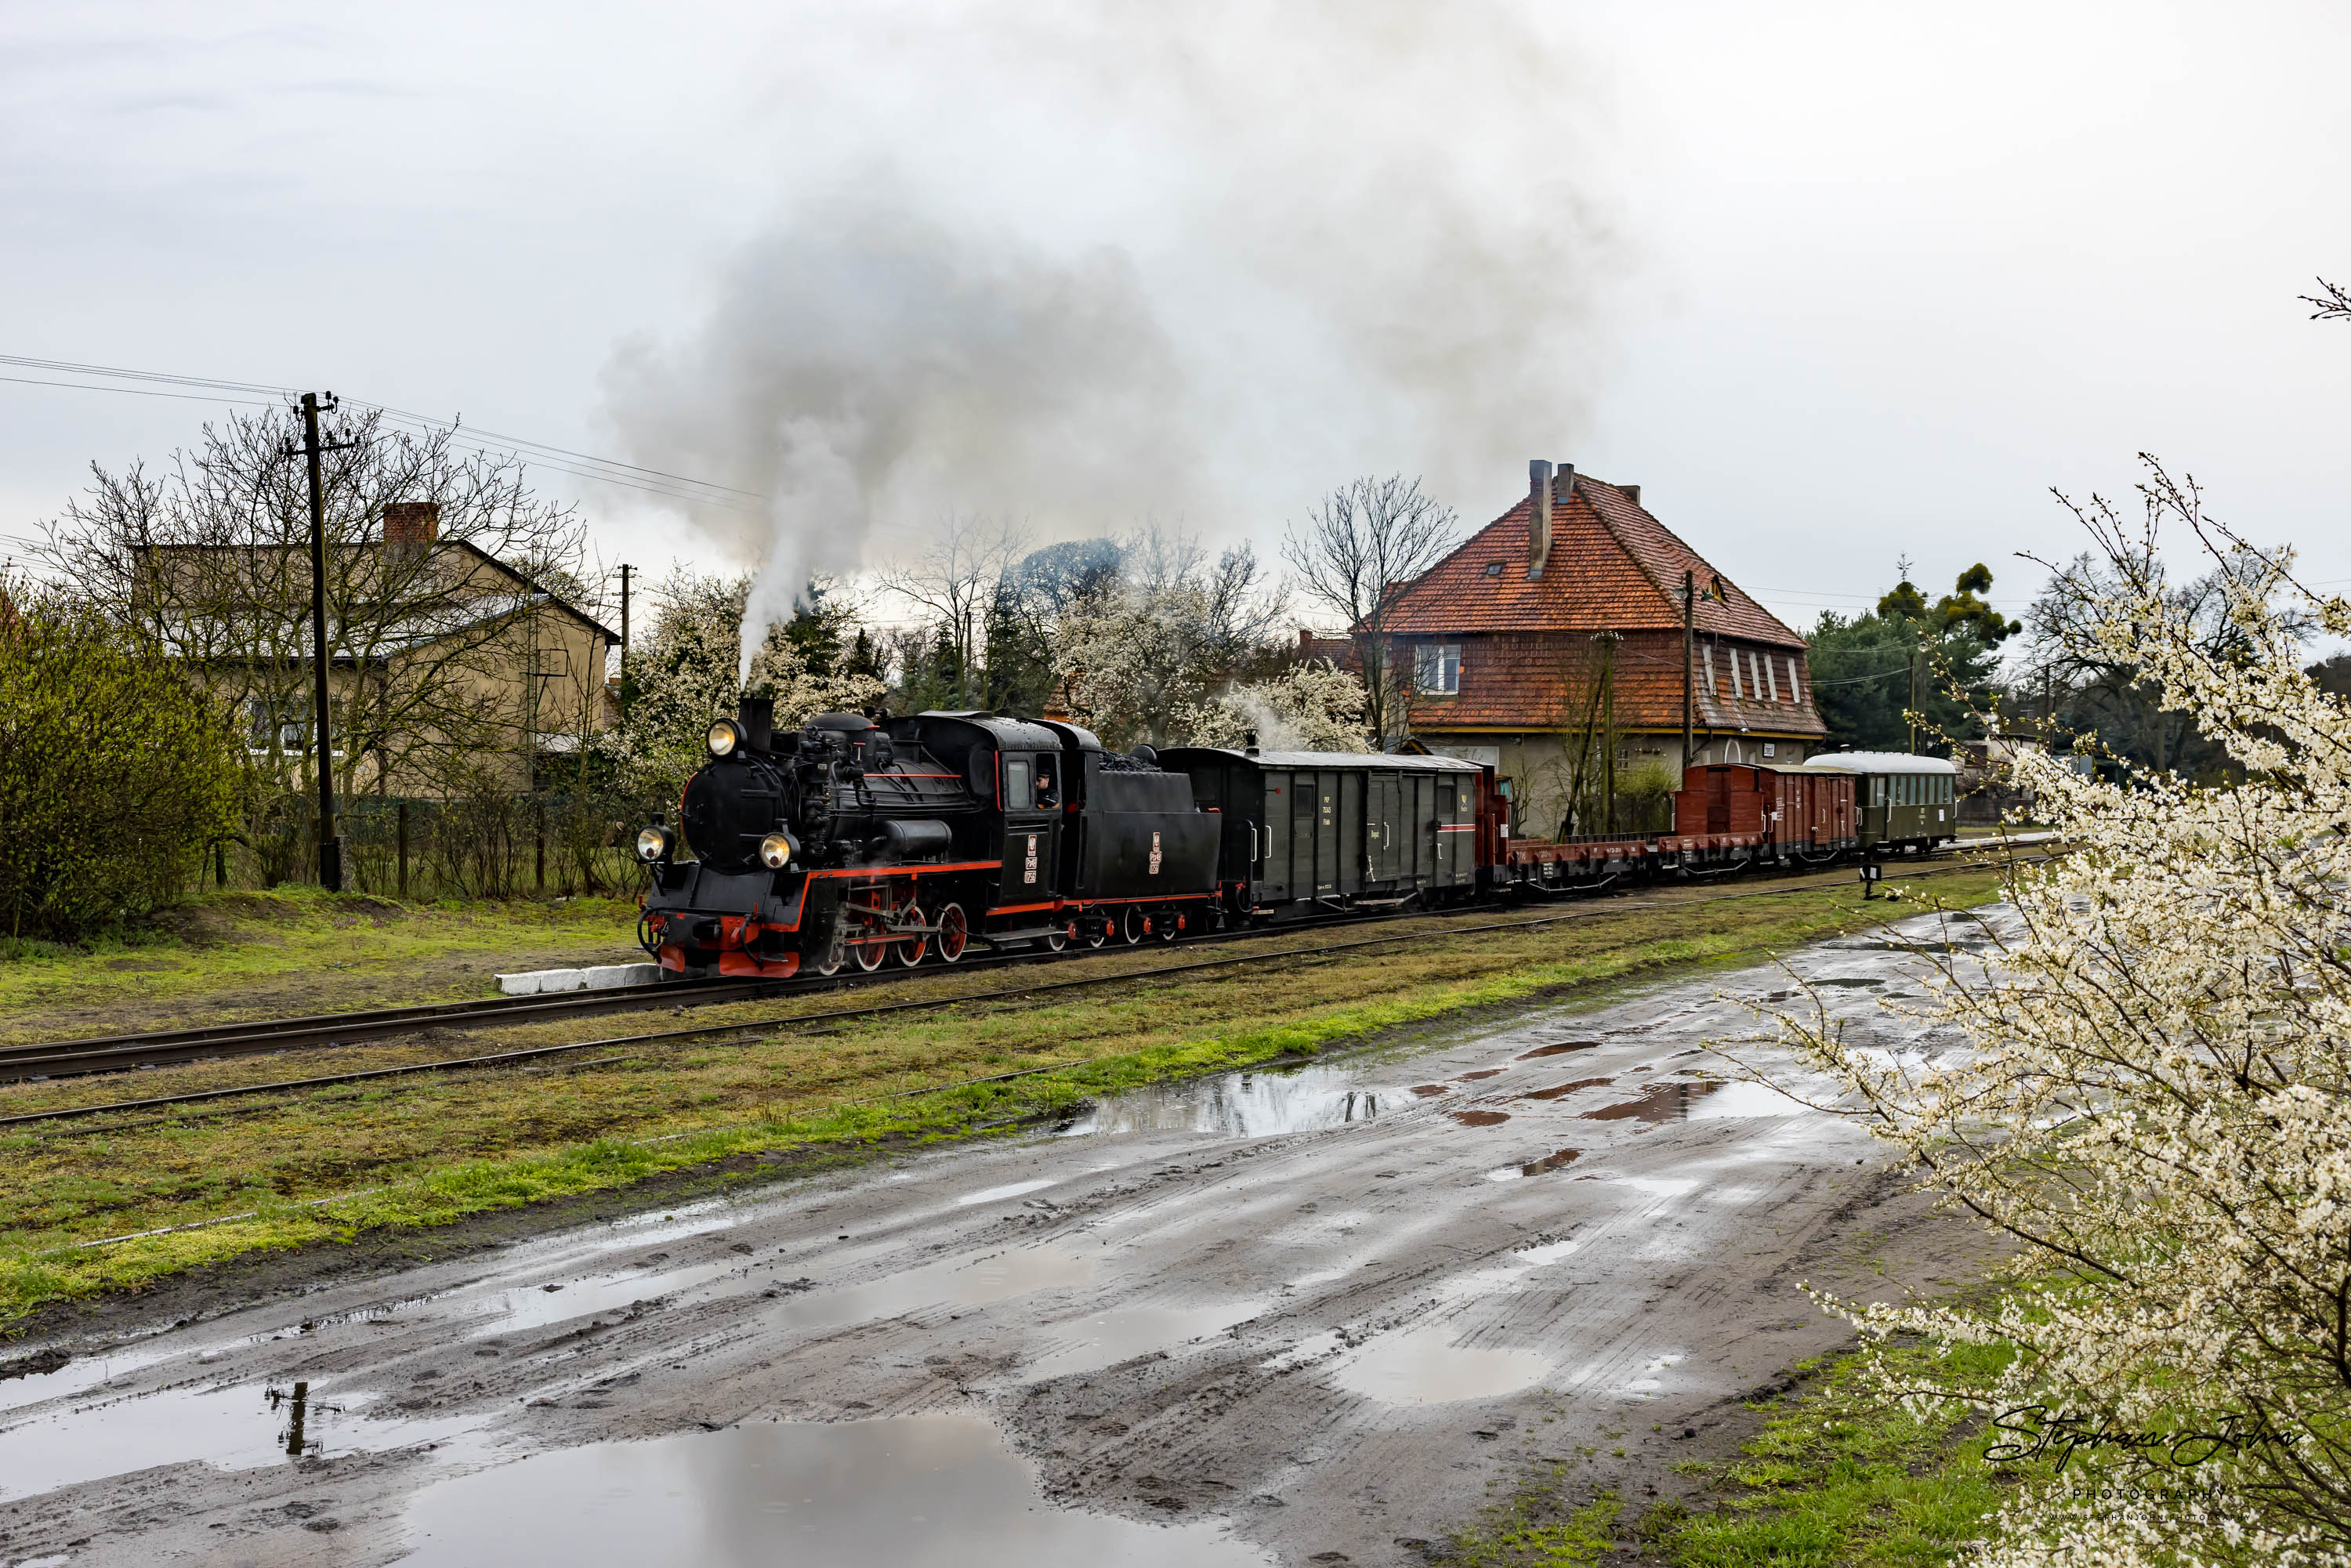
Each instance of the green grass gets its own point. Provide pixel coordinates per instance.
(237, 953)
(1836, 1477)
(433, 1149)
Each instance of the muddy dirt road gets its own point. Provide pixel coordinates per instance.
(1305, 1317)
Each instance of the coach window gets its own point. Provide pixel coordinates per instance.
(1436, 667)
(1016, 796)
(1046, 794)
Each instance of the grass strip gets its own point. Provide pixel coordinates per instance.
(437, 1150)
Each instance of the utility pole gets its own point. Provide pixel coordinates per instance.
(330, 843)
(1690, 633)
(624, 638)
(1914, 695)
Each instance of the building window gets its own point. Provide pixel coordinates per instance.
(1795, 687)
(1436, 668)
(1770, 679)
(1770, 748)
(1494, 569)
(1738, 690)
(1710, 670)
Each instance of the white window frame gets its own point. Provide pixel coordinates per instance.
(1710, 670)
(1437, 669)
(1738, 692)
(1770, 679)
(1795, 687)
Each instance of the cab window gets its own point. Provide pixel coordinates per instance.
(1046, 794)
(1017, 795)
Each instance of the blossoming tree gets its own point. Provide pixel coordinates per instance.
(2157, 1100)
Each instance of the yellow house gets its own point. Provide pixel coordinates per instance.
(448, 668)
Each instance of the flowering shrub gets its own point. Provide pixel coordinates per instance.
(1311, 706)
(2158, 1102)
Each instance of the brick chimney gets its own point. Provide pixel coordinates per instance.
(1538, 516)
(411, 522)
(1631, 493)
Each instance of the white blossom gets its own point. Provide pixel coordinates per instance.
(2157, 1099)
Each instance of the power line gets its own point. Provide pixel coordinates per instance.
(534, 454)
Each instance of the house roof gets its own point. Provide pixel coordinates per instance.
(1612, 567)
(534, 591)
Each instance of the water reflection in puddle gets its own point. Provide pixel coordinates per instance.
(1560, 1091)
(1668, 1102)
(912, 1490)
(1558, 1160)
(1419, 1367)
(1245, 1106)
(236, 1427)
(1560, 1049)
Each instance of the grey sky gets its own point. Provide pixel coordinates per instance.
(1835, 284)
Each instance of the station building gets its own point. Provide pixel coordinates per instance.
(1566, 637)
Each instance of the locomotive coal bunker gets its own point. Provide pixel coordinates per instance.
(848, 841)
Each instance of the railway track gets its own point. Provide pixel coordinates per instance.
(752, 990)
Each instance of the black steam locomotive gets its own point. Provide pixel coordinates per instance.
(846, 841)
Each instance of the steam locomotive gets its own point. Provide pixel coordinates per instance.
(851, 842)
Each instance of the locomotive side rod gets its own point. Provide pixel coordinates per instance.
(537, 1053)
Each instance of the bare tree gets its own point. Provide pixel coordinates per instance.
(955, 580)
(1362, 542)
(443, 656)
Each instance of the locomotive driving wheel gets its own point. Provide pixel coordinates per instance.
(1164, 925)
(829, 958)
(1059, 938)
(1135, 924)
(1098, 932)
(911, 950)
(954, 933)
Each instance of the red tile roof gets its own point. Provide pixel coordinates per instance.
(1519, 681)
(1612, 567)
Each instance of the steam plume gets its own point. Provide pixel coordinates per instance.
(1364, 241)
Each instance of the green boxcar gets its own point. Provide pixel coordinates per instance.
(1905, 803)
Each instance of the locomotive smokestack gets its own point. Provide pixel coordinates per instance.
(758, 717)
(1538, 516)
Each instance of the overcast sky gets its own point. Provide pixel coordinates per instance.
(1833, 284)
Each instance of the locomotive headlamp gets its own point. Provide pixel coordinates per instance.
(655, 844)
(726, 736)
(775, 851)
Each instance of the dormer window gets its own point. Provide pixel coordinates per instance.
(1436, 668)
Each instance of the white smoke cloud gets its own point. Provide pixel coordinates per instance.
(1122, 259)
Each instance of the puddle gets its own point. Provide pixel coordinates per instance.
(1420, 1367)
(1560, 1091)
(239, 1427)
(1558, 1160)
(1482, 1073)
(1742, 1098)
(1668, 1101)
(1010, 1189)
(1105, 1339)
(1480, 1118)
(921, 1491)
(1560, 1049)
(1849, 983)
(1425, 1090)
(1239, 1105)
